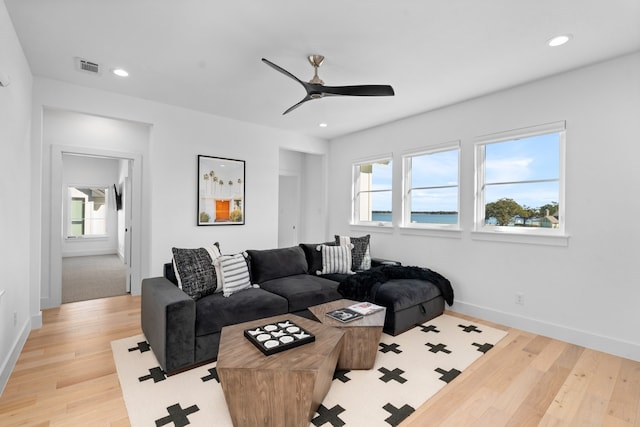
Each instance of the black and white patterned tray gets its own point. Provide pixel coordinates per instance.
(278, 336)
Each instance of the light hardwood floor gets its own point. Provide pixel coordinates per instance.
(66, 376)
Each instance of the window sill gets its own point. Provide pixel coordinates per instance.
(381, 227)
(447, 232)
(531, 239)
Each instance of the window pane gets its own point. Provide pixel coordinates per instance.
(521, 185)
(87, 211)
(381, 176)
(524, 204)
(434, 206)
(380, 207)
(525, 159)
(373, 195)
(436, 169)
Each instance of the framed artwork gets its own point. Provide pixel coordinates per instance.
(220, 191)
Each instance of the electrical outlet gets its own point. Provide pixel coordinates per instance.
(520, 299)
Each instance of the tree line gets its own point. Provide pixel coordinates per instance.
(504, 210)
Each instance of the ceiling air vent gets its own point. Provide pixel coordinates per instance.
(88, 66)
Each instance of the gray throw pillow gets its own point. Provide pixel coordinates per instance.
(360, 254)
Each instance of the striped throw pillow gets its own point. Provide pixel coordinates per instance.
(233, 273)
(335, 259)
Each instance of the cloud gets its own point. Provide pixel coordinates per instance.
(508, 170)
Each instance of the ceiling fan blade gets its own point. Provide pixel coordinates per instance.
(293, 107)
(283, 71)
(361, 90)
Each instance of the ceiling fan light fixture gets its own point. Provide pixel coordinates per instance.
(559, 40)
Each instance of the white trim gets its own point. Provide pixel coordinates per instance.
(10, 362)
(523, 238)
(382, 227)
(54, 297)
(446, 232)
(90, 252)
(617, 347)
(407, 183)
(355, 185)
(520, 133)
(480, 231)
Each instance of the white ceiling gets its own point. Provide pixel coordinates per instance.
(205, 55)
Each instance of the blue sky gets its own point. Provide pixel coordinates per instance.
(521, 160)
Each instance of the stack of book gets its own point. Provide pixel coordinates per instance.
(354, 312)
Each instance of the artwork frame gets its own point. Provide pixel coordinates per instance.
(221, 191)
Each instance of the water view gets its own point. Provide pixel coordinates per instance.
(420, 217)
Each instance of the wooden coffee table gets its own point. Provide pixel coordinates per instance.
(283, 389)
(361, 337)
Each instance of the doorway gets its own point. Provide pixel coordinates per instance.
(96, 217)
(288, 210)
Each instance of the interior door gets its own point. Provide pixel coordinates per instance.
(288, 210)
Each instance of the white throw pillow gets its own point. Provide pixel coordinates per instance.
(335, 259)
(233, 273)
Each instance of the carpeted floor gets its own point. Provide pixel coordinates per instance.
(92, 277)
(409, 369)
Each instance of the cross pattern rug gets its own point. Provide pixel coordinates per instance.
(409, 369)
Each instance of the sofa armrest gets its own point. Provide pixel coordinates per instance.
(168, 322)
(377, 262)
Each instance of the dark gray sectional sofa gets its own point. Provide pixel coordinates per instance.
(184, 332)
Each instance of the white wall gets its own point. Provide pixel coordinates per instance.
(169, 168)
(91, 171)
(15, 201)
(586, 292)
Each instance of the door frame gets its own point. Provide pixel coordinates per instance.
(56, 233)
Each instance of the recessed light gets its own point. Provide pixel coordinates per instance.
(559, 40)
(120, 72)
(323, 125)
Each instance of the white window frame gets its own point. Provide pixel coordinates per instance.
(68, 201)
(539, 235)
(407, 185)
(355, 191)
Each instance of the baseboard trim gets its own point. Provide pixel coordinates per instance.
(10, 362)
(621, 348)
(91, 252)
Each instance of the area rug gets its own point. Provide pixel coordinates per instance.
(409, 369)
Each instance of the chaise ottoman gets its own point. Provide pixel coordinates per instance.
(411, 295)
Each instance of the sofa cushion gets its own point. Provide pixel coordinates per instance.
(194, 270)
(215, 311)
(233, 273)
(360, 253)
(314, 257)
(269, 264)
(303, 290)
(335, 259)
(399, 294)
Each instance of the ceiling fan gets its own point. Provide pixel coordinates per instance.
(316, 88)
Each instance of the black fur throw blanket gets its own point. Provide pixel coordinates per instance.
(363, 285)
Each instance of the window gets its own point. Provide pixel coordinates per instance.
(520, 185)
(87, 212)
(372, 192)
(431, 196)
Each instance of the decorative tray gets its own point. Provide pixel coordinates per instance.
(278, 336)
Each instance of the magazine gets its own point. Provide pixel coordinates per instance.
(344, 315)
(365, 308)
